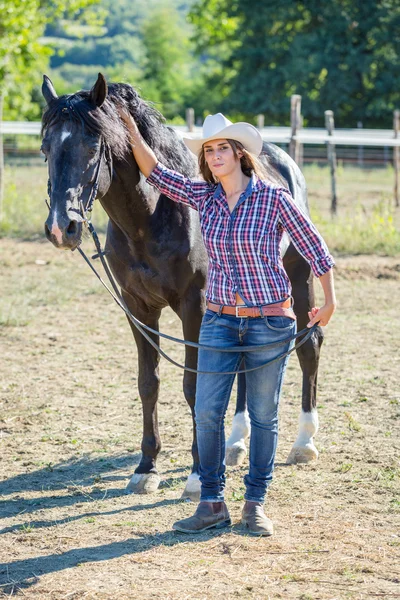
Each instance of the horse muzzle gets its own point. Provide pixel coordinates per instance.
(63, 232)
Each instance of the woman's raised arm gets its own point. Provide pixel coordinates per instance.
(144, 155)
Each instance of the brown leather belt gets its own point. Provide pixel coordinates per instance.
(280, 309)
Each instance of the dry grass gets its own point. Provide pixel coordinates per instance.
(70, 427)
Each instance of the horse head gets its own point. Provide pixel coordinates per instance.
(77, 131)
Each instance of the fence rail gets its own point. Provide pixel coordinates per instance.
(276, 135)
(293, 138)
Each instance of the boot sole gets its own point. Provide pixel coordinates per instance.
(220, 525)
(257, 533)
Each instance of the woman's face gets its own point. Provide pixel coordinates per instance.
(220, 158)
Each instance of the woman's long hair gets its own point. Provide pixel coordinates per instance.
(248, 161)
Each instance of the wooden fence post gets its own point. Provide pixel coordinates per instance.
(190, 118)
(300, 158)
(330, 126)
(260, 121)
(396, 157)
(295, 123)
(1, 161)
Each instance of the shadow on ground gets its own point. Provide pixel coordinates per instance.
(22, 574)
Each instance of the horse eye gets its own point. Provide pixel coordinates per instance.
(43, 151)
(93, 151)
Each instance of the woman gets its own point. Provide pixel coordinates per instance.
(248, 295)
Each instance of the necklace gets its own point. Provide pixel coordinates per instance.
(234, 193)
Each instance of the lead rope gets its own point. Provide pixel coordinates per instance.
(104, 151)
(143, 328)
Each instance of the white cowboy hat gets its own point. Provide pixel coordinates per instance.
(217, 127)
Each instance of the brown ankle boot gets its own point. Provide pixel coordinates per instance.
(207, 516)
(255, 520)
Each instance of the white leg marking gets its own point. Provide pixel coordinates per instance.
(240, 428)
(145, 483)
(303, 449)
(235, 446)
(192, 488)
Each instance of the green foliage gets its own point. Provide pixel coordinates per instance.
(102, 51)
(22, 56)
(145, 43)
(339, 55)
(166, 67)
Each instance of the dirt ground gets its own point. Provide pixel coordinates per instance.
(70, 433)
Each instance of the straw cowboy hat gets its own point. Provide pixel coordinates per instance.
(217, 127)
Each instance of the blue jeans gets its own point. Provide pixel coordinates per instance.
(263, 393)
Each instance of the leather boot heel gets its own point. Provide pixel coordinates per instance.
(226, 523)
(208, 515)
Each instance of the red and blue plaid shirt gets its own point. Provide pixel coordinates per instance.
(244, 246)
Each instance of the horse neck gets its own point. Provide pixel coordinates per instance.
(124, 203)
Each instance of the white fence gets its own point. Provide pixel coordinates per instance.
(277, 135)
(295, 137)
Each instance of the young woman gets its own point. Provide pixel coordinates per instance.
(242, 218)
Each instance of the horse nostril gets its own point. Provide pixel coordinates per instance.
(47, 231)
(72, 228)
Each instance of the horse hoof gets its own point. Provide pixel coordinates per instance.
(192, 488)
(143, 483)
(235, 455)
(302, 454)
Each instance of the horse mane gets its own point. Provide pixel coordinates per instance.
(104, 121)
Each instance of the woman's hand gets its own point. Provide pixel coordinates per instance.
(129, 122)
(322, 314)
(144, 155)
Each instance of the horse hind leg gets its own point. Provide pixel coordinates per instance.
(304, 450)
(236, 445)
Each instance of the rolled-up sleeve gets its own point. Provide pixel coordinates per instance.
(304, 235)
(178, 187)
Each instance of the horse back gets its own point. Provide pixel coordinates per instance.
(283, 171)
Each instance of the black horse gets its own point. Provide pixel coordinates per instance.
(154, 247)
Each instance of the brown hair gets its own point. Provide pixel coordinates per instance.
(248, 161)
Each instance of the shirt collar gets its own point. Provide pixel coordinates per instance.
(254, 184)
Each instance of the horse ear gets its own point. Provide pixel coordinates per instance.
(99, 91)
(48, 90)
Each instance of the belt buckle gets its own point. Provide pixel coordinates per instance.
(237, 308)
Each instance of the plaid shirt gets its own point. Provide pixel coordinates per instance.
(244, 246)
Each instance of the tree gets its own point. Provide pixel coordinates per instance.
(340, 55)
(22, 56)
(166, 69)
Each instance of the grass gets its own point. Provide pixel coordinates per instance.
(24, 207)
(367, 222)
(362, 231)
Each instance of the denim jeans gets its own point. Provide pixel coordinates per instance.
(263, 393)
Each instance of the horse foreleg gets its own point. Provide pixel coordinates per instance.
(303, 449)
(236, 445)
(146, 479)
(191, 312)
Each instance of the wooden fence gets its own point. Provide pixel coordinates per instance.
(293, 138)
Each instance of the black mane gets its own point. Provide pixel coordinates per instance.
(105, 122)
